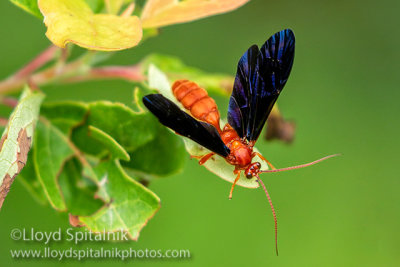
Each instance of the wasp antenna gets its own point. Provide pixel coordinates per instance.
(302, 165)
(273, 213)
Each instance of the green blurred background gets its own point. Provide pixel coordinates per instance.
(342, 93)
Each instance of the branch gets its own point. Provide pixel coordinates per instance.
(75, 71)
(46, 56)
(129, 73)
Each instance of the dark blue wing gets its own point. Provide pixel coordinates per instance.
(240, 101)
(258, 88)
(173, 117)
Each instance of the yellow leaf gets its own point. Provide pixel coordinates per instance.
(73, 21)
(157, 13)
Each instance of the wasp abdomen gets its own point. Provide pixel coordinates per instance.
(197, 101)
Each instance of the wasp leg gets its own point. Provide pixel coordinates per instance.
(234, 183)
(204, 158)
(264, 159)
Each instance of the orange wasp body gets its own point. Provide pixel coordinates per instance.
(202, 107)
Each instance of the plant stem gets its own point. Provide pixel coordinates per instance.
(3, 122)
(74, 71)
(129, 73)
(44, 57)
(8, 101)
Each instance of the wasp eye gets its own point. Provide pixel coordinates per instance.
(258, 164)
(249, 175)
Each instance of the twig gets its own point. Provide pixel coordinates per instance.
(129, 73)
(8, 101)
(74, 72)
(44, 57)
(3, 121)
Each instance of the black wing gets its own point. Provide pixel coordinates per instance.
(239, 103)
(170, 115)
(259, 82)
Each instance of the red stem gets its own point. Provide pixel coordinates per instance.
(3, 121)
(65, 72)
(9, 101)
(44, 57)
(70, 73)
(129, 73)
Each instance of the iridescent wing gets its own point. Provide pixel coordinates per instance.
(171, 116)
(239, 103)
(260, 78)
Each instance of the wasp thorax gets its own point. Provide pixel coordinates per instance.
(240, 155)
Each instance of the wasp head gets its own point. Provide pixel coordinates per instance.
(252, 170)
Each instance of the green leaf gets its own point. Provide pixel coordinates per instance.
(86, 143)
(51, 150)
(65, 115)
(149, 33)
(164, 155)
(17, 138)
(138, 94)
(175, 69)
(129, 205)
(104, 197)
(95, 5)
(78, 191)
(107, 141)
(30, 181)
(128, 128)
(217, 165)
(30, 6)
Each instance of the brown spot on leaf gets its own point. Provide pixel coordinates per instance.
(144, 182)
(74, 221)
(24, 143)
(3, 138)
